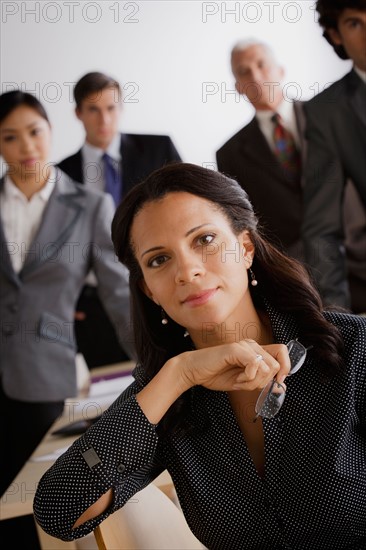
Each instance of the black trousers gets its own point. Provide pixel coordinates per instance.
(95, 336)
(22, 427)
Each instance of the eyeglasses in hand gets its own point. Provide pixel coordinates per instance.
(272, 396)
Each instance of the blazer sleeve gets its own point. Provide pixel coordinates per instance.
(220, 160)
(112, 276)
(322, 227)
(118, 451)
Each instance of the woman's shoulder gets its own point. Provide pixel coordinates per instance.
(345, 321)
(353, 330)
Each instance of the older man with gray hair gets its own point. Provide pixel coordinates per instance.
(265, 155)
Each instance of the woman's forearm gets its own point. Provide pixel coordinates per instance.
(163, 390)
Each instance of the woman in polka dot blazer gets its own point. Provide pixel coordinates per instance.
(251, 396)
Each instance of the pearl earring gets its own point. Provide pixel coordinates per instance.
(254, 281)
(186, 333)
(164, 320)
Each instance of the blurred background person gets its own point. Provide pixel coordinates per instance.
(265, 155)
(110, 161)
(334, 227)
(51, 231)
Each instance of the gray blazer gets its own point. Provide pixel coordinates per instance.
(37, 305)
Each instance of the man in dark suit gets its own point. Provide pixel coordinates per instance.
(336, 134)
(252, 157)
(112, 162)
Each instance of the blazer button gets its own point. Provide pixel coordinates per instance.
(8, 331)
(121, 468)
(13, 308)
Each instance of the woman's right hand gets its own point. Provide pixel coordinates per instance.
(243, 365)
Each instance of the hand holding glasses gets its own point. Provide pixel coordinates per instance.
(272, 396)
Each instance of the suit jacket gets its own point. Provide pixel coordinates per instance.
(37, 305)
(248, 158)
(141, 154)
(336, 134)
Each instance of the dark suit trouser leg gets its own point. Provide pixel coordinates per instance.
(22, 427)
(95, 336)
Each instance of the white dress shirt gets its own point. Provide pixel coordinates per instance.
(21, 218)
(92, 162)
(287, 114)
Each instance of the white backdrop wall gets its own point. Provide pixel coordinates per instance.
(171, 57)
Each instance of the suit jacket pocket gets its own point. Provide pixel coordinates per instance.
(56, 330)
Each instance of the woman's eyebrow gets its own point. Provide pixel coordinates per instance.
(15, 129)
(189, 232)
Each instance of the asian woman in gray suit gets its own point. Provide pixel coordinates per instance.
(52, 232)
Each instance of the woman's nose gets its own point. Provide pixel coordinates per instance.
(189, 269)
(26, 144)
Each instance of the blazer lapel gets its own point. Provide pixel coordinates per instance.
(61, 214)
(5, 262)
(301, 126)
(128, 154)
(254, 146)
(357, 96)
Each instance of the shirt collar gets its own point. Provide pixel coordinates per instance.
(284, 110)
(12, 191)
(113, 150)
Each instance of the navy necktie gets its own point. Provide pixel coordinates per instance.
(112, 181)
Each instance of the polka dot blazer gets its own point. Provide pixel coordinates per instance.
(313, 494)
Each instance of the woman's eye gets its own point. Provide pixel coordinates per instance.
(7, 139)
(157, 261)
(35, 131)
(206, 239)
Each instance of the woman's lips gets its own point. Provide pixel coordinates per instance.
(29, 162)
(200, 298)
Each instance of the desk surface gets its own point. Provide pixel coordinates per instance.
(18, 499)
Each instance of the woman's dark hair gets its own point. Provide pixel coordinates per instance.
(92, 83)
(283, 282)
(11, 100)
(329, 12)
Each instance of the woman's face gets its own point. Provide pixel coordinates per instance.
(194, 266)
(25, 141)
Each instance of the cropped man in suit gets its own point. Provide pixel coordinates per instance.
(336, 134)
(253, 156)
(113, 162)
